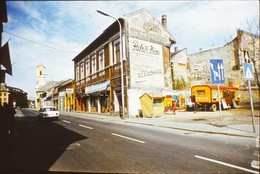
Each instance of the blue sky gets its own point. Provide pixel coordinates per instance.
(58, 30)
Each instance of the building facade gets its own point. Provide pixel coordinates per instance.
(146, 65)
(180, 69)
(65, 95)
(242, 49)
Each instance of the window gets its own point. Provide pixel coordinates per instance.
(201, 92)
(116, 52)
(77, 73)
(101, 60)
(82, 71)
(87, 68)
(157, 102)
(93, 59)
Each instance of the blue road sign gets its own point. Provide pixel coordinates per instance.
(248, 71)
(217, 71)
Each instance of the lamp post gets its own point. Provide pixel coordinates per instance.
(52, 87)
(121, 59)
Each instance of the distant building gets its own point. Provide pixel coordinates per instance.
(64, 95)
(13, 95)
(242, 49)
(17, 97)
(40, 82)
(4, 94)
(180, 69)
(146, 59)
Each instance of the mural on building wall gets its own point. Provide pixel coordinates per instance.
(146, 27)
(146, 64)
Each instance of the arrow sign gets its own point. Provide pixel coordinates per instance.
(248, 71)
(217, 71)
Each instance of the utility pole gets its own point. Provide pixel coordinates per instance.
(121, 59)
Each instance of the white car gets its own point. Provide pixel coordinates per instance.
(48, 112)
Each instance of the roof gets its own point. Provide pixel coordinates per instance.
(216, 87)
(107, 33)
(153, 94)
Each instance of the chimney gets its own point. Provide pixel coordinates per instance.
(175, 49)
(164, 21)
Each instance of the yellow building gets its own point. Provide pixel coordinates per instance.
(40, 82)
(4, 95)
(65, 95)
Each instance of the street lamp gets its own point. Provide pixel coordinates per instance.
(52, 87)
(121, 59)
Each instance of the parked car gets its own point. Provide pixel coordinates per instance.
(48, 112)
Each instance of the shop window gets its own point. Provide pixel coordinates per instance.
(157, 102)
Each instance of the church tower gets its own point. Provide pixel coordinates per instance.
(40, 79)
(40, 82)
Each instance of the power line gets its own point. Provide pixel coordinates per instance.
(38, 43)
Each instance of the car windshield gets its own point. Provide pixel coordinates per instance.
(49, 109)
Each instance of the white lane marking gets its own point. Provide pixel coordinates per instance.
(139, 141)
(66, 121)
(226, 164)
(81, 125)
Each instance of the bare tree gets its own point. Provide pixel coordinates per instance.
(253, 28)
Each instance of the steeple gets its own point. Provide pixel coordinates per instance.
(40, 78)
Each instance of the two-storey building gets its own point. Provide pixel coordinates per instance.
(146, 64)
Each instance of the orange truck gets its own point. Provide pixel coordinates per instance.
(207, 96)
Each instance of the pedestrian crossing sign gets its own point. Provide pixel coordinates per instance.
(248, 71)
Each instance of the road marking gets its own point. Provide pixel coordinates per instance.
(226, 164)
(66, 121)
(139, 141)
(85, 126)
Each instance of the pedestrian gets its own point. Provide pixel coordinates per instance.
(9, 113)
(2, 124)
(193, 100)
(174, 106)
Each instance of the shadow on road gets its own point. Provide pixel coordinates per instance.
(34, 145)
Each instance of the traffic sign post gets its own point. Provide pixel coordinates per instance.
(249, 75)
(217, 77)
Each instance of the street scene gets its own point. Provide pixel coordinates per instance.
(129, 87)
(80, 142)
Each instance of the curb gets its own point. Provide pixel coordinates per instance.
(192, 130)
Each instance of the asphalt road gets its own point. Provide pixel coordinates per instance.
(75, 145)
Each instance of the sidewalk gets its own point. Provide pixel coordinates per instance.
(235, 122)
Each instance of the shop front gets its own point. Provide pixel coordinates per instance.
(98, 96)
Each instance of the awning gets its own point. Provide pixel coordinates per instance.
(97, 87)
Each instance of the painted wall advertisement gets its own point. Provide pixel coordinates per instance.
(146, 64)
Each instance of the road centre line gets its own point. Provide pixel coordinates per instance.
(139, 141)
(226, 164)
(81, 125)
(66, 121)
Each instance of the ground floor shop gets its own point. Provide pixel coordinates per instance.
(104, 97)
